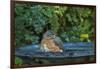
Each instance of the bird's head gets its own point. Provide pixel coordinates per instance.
(49, 34)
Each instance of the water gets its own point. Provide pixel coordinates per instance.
(70, 50)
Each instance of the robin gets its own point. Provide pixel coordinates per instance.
(51, 43)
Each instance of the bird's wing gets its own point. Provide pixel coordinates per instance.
(58, 42)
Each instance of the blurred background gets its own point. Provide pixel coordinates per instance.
(71, 24)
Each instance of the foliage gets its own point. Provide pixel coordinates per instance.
(66, 21)
(18, 61)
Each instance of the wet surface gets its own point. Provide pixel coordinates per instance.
(78, 49)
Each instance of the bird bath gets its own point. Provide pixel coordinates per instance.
(70, 50)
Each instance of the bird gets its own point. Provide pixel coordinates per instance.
(51, 43)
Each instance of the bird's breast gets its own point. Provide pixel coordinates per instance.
(50, 46)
